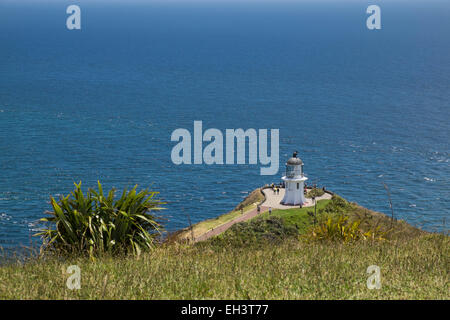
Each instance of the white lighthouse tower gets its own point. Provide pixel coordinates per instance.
(294, 181)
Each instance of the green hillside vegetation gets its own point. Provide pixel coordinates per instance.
(416, 268)
(315, 192)
(300, 223)
(273, 256)
(249, 203)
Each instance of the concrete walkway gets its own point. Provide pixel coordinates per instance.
(274, 200)
(222, 228)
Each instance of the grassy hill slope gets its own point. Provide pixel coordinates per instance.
(264, 258)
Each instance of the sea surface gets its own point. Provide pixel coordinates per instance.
(362, 107)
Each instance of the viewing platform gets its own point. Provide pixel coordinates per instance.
(274, 200)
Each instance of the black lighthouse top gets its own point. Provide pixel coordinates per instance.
(294, 160)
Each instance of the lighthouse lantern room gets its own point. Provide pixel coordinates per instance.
(294, 182)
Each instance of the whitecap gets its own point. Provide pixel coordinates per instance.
(4, 216)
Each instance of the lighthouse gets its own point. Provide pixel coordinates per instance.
(294, 181)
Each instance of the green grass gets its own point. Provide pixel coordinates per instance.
(257, 232)
(264, 258)
(410, 269)
(296, 217)
(202, 227)
(273, 228)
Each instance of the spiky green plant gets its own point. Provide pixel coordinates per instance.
(340, 230)
(96, 223)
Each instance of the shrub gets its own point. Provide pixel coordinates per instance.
(315, 192)
(97, 223)
(259, 232)
(340, 230)
(337, 205)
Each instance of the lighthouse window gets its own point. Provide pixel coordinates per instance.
(290, 171)
(298, 186)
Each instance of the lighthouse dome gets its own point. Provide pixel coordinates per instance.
(294, 160)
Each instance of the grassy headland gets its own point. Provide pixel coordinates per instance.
(249, 203)
(264, 258)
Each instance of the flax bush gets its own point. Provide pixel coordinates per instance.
(97, 223)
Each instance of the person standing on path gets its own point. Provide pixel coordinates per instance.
(270, 210)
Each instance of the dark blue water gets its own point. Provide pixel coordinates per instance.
(362, 107)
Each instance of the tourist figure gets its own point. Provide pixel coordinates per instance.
(270, 210)
(258, 209)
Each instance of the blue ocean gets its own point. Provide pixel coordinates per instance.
(363, 107)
